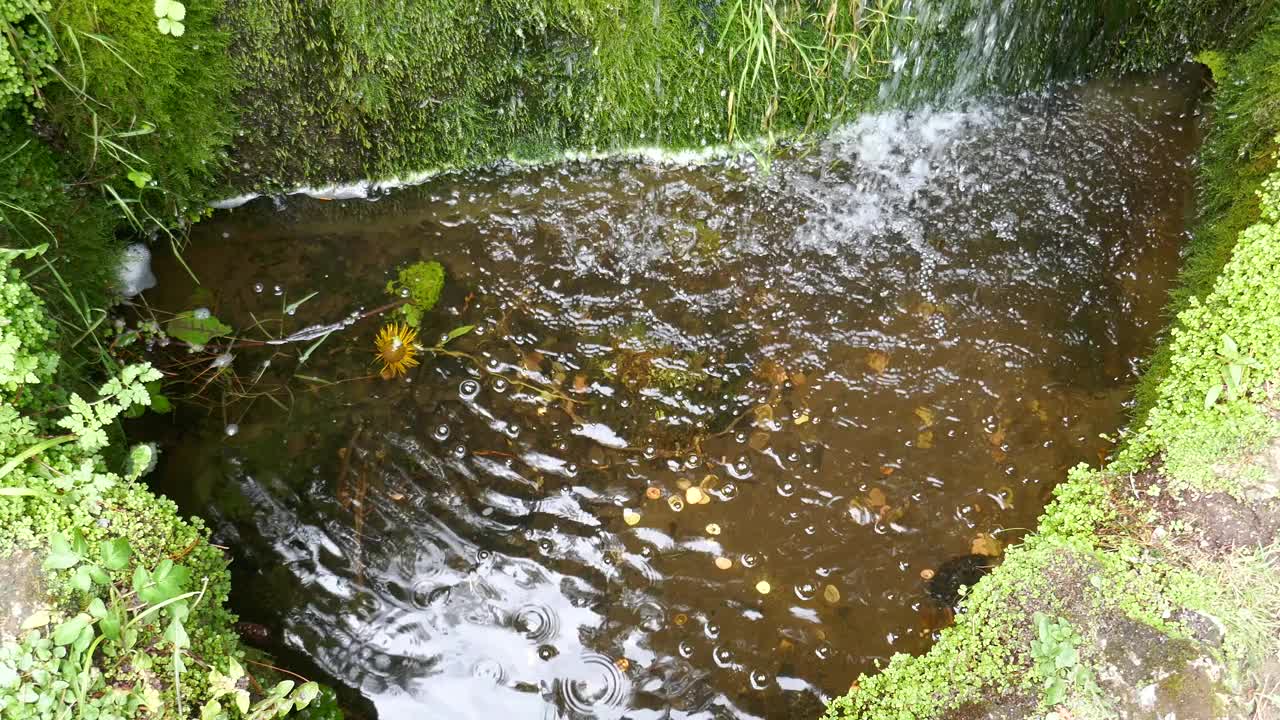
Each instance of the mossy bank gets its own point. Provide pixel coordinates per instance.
(123, 120)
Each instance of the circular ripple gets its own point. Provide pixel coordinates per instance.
(489, 669)
(539, 623)
(596, 685)
(426, 593)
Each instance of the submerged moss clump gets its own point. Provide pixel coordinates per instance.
(420, 284)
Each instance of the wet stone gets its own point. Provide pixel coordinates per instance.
(22, 593)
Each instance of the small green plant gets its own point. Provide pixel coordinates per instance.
(169, 17)
(1235, 372)
(1057, 659)
(126, 619)
(420, 284)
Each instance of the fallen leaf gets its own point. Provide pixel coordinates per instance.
(709, 482)
(653, 493)
(926, 416)
(798, 379)
(713, 529)
(622, 664)
(924, 440)
(694, 495)
(984, 544)
(758, 440)
(764, 415)
(37, 619)
(876, 498)
(802, 419)
(831, 594)
(997, 438)
(680, 619)
(926, 574)
(675, 502)
(580, 383)
(631, 517)
(763, 587)
(878, 361)
(724, 563)
(886, 470)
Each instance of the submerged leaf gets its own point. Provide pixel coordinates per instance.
(196, 327)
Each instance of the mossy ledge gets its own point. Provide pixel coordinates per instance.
(1167, 556)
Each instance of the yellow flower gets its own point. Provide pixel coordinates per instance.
(396, 349)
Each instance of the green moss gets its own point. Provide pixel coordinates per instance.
(420, 284)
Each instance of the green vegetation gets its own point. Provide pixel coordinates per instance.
(125, 118)
(420, 285)
(1056, 654)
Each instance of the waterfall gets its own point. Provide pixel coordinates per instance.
(952, 50)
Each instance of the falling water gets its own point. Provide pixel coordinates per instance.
(955, 50)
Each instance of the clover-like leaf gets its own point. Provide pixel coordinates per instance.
(61, 554)
(115, 553)
(69, 631)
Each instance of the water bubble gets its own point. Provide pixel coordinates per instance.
(760, 679)
(691, 462)
(231, 429)
(468, 389)
(493, 365)
(571, 469)
(277, 290)
(404, 292)
(258, 287)
(686, 649)
(500, 385)
(711, 630)
(823, 651)
(750, 560)
(511, 430)
(546, 546)
(459, 451)
(786, 488)
(201, 314)
(489, 669)
(441, 432)
(652, 616)
(722, 656)
(546, 652)
(806, 591)
(222, 360)
(650, 452)
(728, 491)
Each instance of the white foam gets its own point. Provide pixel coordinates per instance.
(134, 272)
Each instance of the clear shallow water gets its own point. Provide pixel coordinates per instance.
(879, 350)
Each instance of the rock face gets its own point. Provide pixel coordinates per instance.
(21, 593)
(1151, 675)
